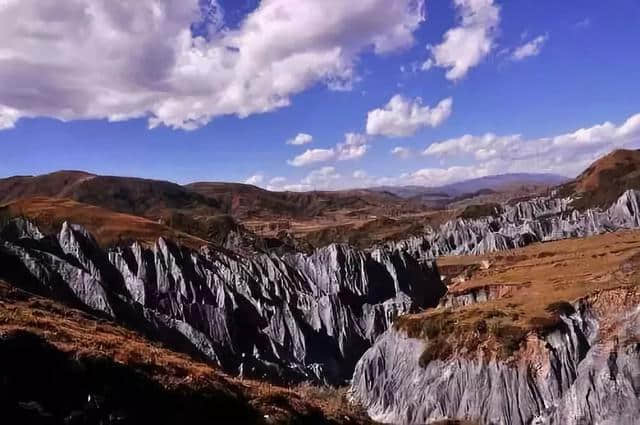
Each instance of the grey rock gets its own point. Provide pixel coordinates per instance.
(575, 375)
(537, 220)
(293, 317)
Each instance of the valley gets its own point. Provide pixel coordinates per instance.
(354, 298)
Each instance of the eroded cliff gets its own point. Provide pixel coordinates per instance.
(291, 317)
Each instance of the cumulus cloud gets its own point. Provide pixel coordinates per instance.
(354, 147)
(360, 174)
(566, 154)
(311, 156)
(85, 59)
(401, 152)
(469, 157)
(442, 176)
(466, 45)
(8, 117)
(403, 117)
(300, 139)
(322, 178)
(276, 183)
(531, 48)
(255, 180)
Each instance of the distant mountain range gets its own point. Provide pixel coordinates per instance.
(493, 183)
(121, 208)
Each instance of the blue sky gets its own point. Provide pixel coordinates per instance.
(577, 68)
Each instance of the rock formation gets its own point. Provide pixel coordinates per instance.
(537, 220)
(586, 371)
(292, 317)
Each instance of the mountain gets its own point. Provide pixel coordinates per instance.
(246, 201)
(217, 212)
(495, 183)
(605, 180)
(502, 182)
(110, 228)
(144, 197)
(513, 312)
(61, 365)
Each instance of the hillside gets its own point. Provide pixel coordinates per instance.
(546, 334)
(109, 227)
(247, 201)
(605, 180)
(68, 366)
(468, 188)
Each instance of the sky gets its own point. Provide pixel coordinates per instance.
(316, 94)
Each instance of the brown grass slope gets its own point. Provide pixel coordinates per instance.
(529, 287)
(58, 363)
(144, 197)
(108, 227)
(605, 180)
(244, 201)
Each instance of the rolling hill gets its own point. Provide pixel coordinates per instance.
(605, 180)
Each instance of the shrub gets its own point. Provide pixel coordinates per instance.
(558, 308)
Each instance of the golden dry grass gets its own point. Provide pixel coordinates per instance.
(82, 335)
(531, 285)
(108, 227)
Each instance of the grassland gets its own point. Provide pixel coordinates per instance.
(94, 341)
(530, 287)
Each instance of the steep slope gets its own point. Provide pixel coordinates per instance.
(61, 365)
(512, 226)
(60, 184)
(541, 335)
(144, 197)
(292, 317)
(605, 180)
(109, 227)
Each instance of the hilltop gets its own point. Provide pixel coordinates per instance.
(605, 180)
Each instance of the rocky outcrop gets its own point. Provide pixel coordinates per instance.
(536, 220)
(474, 295)
(293, 317)
(586, 371)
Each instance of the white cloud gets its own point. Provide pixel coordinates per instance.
(300, 139)
(466, 45)
(352, 152)
(322, 178)
(401, 152)
(297, 187)
(469, 157)
(8, 117)
(311, 156)
(403, 117)
(354, 146)
(255, 180)
(426, 65)
(276, 183)
(83, 59)
(442, 176)
(531, 48)
(566, 154)
(360, 174)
